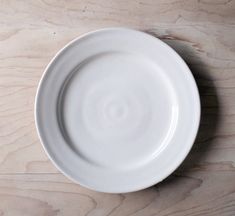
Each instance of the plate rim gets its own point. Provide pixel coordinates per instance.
(182, 62)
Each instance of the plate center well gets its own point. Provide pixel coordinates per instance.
(118, 110)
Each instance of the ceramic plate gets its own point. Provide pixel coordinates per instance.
(117, 110)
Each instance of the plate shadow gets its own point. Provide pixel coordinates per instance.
(210, 108)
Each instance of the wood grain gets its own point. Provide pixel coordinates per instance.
(202, 32)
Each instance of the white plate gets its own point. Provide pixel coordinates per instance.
(117, 110)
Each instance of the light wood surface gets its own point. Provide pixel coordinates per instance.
(203, 32)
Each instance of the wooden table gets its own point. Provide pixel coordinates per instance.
(202, 32)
